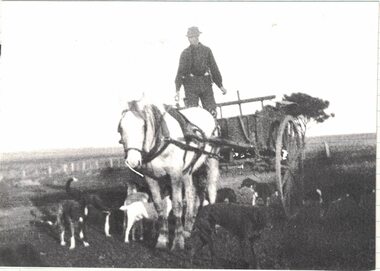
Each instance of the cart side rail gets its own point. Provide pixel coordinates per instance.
(258, 99)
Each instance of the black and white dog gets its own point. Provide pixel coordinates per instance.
(74, 212)
(88, 199)
(69, 212)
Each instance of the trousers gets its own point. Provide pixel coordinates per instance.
(200, 88)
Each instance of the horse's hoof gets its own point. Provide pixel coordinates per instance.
(179, 242)
(63, 244)
(86, 244)
(162, 242)
(186, 234)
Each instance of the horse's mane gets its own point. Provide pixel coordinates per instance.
(149, 113)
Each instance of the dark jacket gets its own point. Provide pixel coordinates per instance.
(197, 60)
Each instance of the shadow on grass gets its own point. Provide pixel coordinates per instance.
(21, 255)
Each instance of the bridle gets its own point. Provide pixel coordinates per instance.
(159, 142)
(162, 139)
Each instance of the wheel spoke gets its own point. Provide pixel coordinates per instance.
(289, 139)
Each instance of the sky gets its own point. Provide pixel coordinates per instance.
(67, 69)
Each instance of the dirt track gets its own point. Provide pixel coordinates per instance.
(25, 242)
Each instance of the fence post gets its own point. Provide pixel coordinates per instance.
(327, 150)
(83, 166)
(72, 167)
(64, 167)
(23, 173)
(97, 164)
(111, 163)
(49, 171)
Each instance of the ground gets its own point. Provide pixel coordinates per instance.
(347, 244)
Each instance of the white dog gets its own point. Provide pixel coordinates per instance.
(137, 210)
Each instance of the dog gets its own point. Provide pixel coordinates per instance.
(247, 196)
(137, 207)
(88, 199)
(341, 189)
(135, 211)
(243, 221)
(225, 195)
(263, 190)
(133, 196)
(69, 212)
(248, 182)
(313, 196)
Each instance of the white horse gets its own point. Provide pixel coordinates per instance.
(144, 130)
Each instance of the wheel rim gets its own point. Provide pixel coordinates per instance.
(288, 142)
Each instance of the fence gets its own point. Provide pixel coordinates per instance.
(35, 169)
(48, 168)
(332, 144)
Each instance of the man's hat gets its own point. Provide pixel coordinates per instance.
(193, 32)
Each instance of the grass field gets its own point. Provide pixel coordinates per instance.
(346, 242)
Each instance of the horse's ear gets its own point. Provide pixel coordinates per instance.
(142, 102)
(126, 108)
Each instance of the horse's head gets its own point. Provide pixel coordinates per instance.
(132, 132)
(138, 128)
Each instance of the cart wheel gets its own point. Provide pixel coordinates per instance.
(289, 166)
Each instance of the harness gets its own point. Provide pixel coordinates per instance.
(192, 134)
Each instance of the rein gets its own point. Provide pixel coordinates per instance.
(187, 147)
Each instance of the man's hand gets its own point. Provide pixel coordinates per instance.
(224, 91)
(176, 97)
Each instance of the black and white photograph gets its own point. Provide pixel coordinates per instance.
(188, 135)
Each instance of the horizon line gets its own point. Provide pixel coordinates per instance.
(72, 149)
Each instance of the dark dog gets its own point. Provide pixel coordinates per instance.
(244, 222)
(313, 196)
(86, 200)
(354, 189)
(225, 195)
(248, 182)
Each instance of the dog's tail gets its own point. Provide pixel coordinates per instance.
(68, 188)
(48, 222)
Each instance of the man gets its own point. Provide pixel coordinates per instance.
(196, 72)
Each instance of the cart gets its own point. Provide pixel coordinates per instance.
(270, 136)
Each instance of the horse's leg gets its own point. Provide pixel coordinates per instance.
(190, 200)
(163, 237)
(141, 229)
(252, 260)
(125, 225)
(177, 211)
(212, 178)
